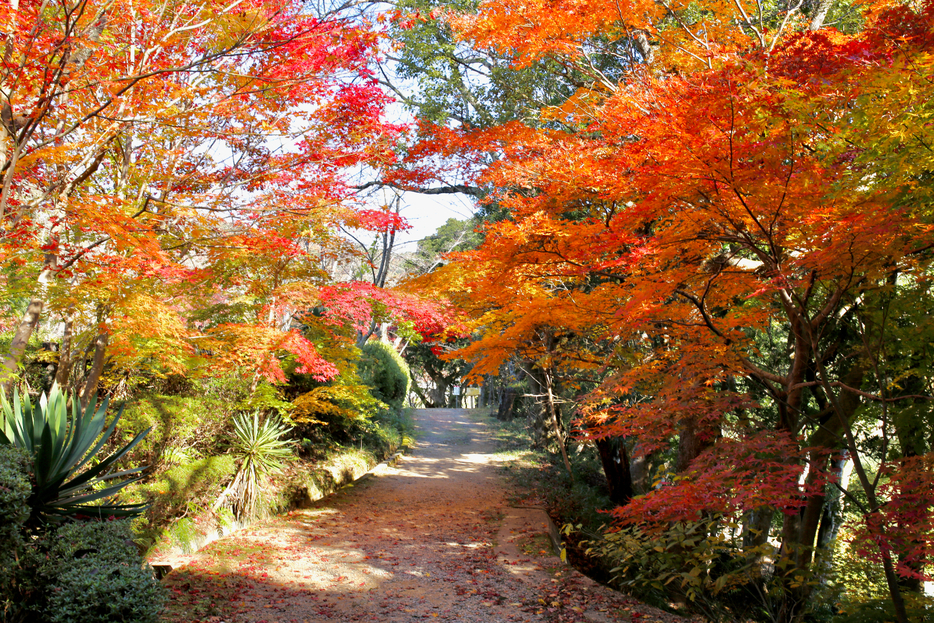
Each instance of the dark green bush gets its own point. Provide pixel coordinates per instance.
(386, 373)
(94, 573)
(14, 491)
(14, 511)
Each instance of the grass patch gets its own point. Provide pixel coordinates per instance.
(180, 493)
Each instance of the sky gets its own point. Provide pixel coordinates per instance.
(426, 213)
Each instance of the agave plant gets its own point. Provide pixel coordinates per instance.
(69, 480)
(262, 451)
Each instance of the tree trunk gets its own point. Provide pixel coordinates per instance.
(556, 422)
(691, 442)
(909, 428)
(97, 367)
(536, 413)
(615, 461)
(507, 404)
(640, 468)
(755, 535)
(18, 347)
(831, 518)
(438, 394)
(820, 14)
(63, 372)
(27, 326)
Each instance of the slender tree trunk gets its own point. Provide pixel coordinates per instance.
(843, 416)
(640, 468)
(831, 518)
(755, 535)
(26, 326)
(555, 421)
(537, 413)
(909, 429)
(820, 14)
(97, 367)
(63, 372)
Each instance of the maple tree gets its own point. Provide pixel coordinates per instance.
(173, 179)
(732, 235)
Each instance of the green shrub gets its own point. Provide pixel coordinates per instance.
(94, 573)
(182, 484)
(179, 489)
(193, 426)
(697, 563)
(14, 511)
(918, 607)
(865, 597)
(186, 534)
(386, 373)
(14, 492)
(387, 432)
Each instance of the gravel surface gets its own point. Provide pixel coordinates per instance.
(429, 539)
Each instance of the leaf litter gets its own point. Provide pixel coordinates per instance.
(431, 539)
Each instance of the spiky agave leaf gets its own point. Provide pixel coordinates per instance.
(261, 443)
(262, 451)
(63, 446)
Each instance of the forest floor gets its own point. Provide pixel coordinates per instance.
(428, 539)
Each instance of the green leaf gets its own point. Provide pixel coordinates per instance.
(61, 447)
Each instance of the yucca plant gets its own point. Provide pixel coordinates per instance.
(262, 450)
(69, 480)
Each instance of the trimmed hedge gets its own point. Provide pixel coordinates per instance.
(386, 373)
(94, 574)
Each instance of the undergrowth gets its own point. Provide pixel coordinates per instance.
(183, 495)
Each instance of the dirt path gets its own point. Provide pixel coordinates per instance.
(429, 539)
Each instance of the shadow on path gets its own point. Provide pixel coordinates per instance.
(422, 541)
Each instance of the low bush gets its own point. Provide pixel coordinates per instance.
(14, 492)
(693, 563)
(918, 607)
(387, 432)
(94, 573)
(182, 427)
(179, 489)
(14, 511)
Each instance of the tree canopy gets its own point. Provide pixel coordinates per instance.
(722, 245)
(708, 224)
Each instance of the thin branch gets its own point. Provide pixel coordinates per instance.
(451, 189)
